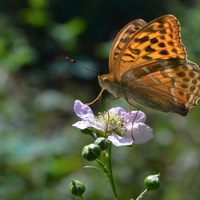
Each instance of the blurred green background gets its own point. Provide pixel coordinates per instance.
(40, 151)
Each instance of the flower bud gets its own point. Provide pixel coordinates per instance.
(102, 142)
(91, 152)
(76, 188)
(152, 182)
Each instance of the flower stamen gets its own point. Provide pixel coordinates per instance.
(110, 123)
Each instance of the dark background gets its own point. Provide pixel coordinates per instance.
(40, 151)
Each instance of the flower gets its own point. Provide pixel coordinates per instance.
(120, 127)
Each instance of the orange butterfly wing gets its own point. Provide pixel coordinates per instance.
(122, 38)
(149, 66)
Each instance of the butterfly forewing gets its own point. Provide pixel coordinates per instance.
(160, 39)
(122, 38)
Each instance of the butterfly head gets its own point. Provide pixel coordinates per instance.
(107, 83)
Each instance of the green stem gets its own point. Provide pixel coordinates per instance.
(81, 197)
(142, 194)
(102, 166)
(110, 173)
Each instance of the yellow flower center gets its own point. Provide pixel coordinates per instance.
(110, 123)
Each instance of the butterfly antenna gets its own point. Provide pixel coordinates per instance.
(100, 94)
(73, 61)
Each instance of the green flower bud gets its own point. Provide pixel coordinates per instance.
(102, 142)
(91, 152)
(152, 182)
(77, 188)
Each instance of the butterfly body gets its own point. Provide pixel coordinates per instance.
(148, 65)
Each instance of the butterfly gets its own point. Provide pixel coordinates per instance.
(148, 65)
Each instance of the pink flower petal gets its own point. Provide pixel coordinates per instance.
(117, 111)
(120, 141)
(83, 111)
(82, 125)
(142, 133)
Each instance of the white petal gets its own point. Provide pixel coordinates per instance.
(141, 117)
(120, 141)
(129, 118)
(142, 134)
(81, 125)
(83, 111)
(117, 111)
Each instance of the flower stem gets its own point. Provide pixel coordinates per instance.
(81, 197)
(110, 173)
(142, 194)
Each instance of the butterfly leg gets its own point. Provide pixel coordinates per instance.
(107, 101)
(97, 98)
(129, 109)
